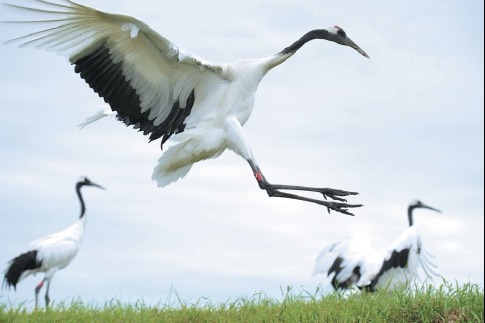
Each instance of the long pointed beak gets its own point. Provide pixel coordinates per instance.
(430, 208)
(98, 186)
(350, 43)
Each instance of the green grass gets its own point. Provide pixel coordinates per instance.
(447, 303)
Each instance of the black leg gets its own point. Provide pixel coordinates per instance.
(37, 290)
(273, 190)
(47, 299)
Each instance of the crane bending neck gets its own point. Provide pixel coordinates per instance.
(311, 35)
(290, 50)
(410, 215)
(79, 195)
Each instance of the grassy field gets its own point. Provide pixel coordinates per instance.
(431, 304)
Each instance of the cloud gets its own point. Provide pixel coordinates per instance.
(408, 123)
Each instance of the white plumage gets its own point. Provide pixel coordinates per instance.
(356, 252)
(95, 117)
(50, 253)
(165, 91)
(56, 251)
(355, 263)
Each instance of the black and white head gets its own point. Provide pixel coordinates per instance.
(338, 35)
(84, 181)
(416, 204)
(334, 34)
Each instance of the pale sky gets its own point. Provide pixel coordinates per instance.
(406, 124)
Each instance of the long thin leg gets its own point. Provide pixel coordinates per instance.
(37, 290)
(238, 143)
(273, 190)
(47, 299)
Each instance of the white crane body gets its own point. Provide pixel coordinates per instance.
(167, 92)
(354, 262)
(57, 250)
(49, 253)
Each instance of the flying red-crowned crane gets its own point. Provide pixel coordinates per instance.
(355, 263)
(166, 92)
(50, 253)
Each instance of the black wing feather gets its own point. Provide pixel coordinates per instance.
(337, 268)
(398, 259)
(107, 79)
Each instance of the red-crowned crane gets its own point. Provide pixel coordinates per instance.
(355, 263)
(50, 253)
(166, 92)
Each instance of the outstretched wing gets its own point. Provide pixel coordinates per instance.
(150, 82)
(403, 262)
(350, 262)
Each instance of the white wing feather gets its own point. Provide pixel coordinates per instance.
(161, 72)
(95, 117)
(354, 252)
(417, 261)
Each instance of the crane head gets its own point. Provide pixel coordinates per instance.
(338, 35)
(84, 181)
(416, 204)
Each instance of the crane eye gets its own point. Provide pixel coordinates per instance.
(340, 31)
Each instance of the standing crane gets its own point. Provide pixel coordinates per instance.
(50, 253)
(166, 92)
(355, 263)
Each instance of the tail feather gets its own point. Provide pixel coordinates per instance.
(175, 163)
(18, 265)
(165, 178)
